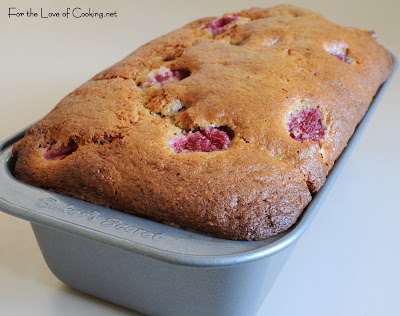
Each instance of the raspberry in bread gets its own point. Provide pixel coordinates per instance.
(224, 127)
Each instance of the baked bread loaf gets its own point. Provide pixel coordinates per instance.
(224, 127)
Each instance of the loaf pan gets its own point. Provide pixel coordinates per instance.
(150, 267)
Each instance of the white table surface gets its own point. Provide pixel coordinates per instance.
(347, 263)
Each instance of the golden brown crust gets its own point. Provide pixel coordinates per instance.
(271, 63)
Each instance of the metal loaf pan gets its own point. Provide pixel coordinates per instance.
(147, 266)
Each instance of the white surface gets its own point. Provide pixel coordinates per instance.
(345, 264)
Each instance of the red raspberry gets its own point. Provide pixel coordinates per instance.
(202, 140)
(339, 50)
(342, 56)
(306, 125)
(163, 75)
(219, 26)
(52, 153)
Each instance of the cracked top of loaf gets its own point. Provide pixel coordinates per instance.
(224, 127)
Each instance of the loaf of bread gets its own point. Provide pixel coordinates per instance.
(224, 127)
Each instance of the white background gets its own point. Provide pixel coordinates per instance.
(347, 263)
